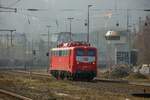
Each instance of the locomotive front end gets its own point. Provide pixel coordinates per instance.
(85, 62)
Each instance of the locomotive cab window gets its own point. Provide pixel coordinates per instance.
(91, 52)
(80, 52)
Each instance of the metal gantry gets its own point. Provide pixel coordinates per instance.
(11, 33)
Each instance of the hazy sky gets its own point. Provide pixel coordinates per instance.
(56, 12)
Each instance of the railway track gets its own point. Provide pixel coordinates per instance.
(98, 84)
(32, 73)
(95, 79)
(13, 95)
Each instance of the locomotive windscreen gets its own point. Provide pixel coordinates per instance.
(91, 52)
(87, 55)
(80, 52)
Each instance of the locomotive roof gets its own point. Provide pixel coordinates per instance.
(73, 44)
(71, 48)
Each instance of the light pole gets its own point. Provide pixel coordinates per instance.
(48, 26)
(11, 34)
(70, 20)
(88, 23)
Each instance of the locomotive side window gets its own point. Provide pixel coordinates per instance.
(60, 53)
(67, 52)
(56, 53)
(80, 52)
(53, 53)
(64, 53)
(91, 53)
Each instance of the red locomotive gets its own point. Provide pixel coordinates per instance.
(74, 60)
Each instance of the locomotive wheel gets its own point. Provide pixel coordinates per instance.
(66, 76)
(70, 77)
(90, 79)
(56, 75)
(62, 75)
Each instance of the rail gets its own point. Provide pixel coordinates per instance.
(111, 80)
(14, 95)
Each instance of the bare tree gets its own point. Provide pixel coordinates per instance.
(142, 42)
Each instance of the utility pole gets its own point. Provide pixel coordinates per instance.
(11, 35)
(7, 40)
(88, 23)
(129, 39)
(140, 21)
(25, 52)
(70, 20)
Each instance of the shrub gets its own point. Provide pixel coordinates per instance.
(119, 71)
(136, 76)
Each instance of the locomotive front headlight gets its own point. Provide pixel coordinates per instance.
(77, 62)
(93, 62)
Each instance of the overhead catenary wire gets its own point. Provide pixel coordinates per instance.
(14, 3)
